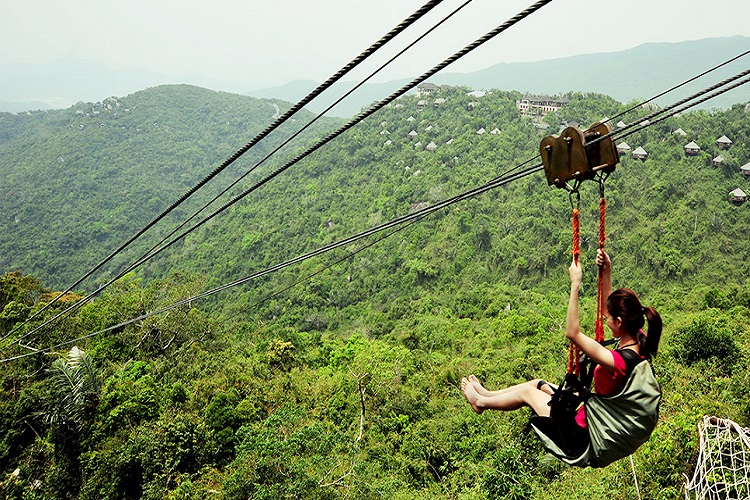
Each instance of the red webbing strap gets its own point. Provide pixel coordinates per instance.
(576, 235)
(600, 299)
(574, 355)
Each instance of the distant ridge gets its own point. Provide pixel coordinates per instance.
(636, 73)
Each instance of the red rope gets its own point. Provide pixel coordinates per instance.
(574, 355)
(574, 360)
(600, 299)
(576, 235)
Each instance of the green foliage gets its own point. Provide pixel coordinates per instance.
(280, 354)
(75, 390)
(346, 385)
(511, 475)
(708, 337)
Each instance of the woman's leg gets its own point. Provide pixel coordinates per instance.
(511, 398)
(546, 387)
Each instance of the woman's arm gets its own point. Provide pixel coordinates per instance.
(604, 262)
(595, 351)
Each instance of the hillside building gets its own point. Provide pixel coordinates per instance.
(716, 162)
(724, 142)
(692, 149)
(738, 196)
(539, 104)
(623, 148)
(679, 132)
(745, 169)
(639, 154)
(425, 88)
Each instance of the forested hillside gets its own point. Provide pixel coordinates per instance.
(79, 181)
(346, 384)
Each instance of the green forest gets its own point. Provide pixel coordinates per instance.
(339, 376)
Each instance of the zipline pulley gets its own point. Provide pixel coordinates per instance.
(577, 156)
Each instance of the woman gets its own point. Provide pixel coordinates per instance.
(625, 318)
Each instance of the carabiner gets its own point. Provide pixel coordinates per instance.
(574, 191)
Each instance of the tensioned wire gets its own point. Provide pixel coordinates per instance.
(646, 122)
(158, 248)
(291, 138)
(497, 182)
(619, 132)
(347, 241)
(358, 118)
(293, 110)
(680, 85)
(623, 131)
(151, 253)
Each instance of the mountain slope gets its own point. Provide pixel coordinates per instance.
(77, 181)
(633, 74)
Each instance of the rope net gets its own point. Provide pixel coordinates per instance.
(722, 470)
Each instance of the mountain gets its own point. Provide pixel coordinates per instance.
(637, 73)
(76, 181)
(339, 377)
(361, 98)
(68, 80)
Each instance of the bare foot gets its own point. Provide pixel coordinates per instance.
(471, 395)
(478, 386)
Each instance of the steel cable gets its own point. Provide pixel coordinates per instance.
(360, 117)
(412, 217)
(294, 109)
(497, 182)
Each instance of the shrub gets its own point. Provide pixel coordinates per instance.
(706, 337)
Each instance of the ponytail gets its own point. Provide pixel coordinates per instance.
(624, 303)
(651, 345)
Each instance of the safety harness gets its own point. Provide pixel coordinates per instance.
(617, 424)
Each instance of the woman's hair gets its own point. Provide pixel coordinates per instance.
(623, 303)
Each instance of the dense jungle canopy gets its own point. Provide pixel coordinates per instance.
(338, 377)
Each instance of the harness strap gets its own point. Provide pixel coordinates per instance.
(600, 298)
(574, 355)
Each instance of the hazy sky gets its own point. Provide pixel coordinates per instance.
(263, 43)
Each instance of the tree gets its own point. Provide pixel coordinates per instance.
(73, 397)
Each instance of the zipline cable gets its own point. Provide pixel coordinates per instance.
(683, 108)
(497, 182)
(620, 133)
(296, 134)
(360, 117)
(661, 94)
(413, 221)
(301, 104)
(332, 264)
(152, 252)
(680, 85)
